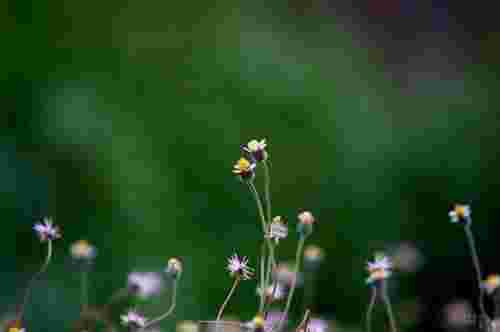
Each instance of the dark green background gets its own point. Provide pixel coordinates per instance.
(122, 121)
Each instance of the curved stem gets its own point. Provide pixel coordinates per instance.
(223, 306)
(369, 310)
(260, 208)
(22, 306)
(268, 282)
(168, 312)
(388, 306)
(298, 255)
(267, 190)
(477, 267)
(263, 280)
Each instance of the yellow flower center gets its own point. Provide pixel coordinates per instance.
(243, 165)
(258, 321)
(493, 280)
(460, 210)
(14, 329)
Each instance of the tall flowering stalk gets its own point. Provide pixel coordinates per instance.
(239, 270)
(462, 214)
(47, 232)
(379, 271)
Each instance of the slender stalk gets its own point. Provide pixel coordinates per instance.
(267, 190)
(168, 312)
(298, 256)
(84, 289)
(388, 306)
(263, 280)
(477, 267)
(304, 321)
(223, 306)
(268, 282)
(369, 310)
(46, 263)
(260, 208)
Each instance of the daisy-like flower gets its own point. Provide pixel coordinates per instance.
(278, 229)
(82, 250)
(46, 230)
(491, 283)
(174, 267)
(379, 269)
(273, 292)
(244, 168)
(460, 214)
(145, 284)
(132, 318)
(256, 149)
(239, 267)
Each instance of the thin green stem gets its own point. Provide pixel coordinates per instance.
(298, 256)
(260, 208)
(369, 310)
(229, 295)
(263, 280)
(387, 302)
(477, 267)
(46, 263)
(268, 282)
(267, 190)
(168, 312)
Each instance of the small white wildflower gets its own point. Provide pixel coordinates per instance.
(239, 267)
(174, 267)
(134, 319)
(257, 149)
(278, 229)
(46, 230)
(491, 283)
(145, 284)
(380, 269)
(83, 250)
(460, 214)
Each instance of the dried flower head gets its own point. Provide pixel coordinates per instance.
(134, 319)
(174, 267)
(278, 229)
(379, 269)
(491, 283)
(145, 284)
(256, 149)
(82, 250)
(313, 254)
(460, 214)
(244, 168)
(274, 292)
(46, 230)
(239, 267)
(306, 222)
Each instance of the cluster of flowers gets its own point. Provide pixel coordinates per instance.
(142, 285)
(276, 281)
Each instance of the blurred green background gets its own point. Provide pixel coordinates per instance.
(122, 119)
